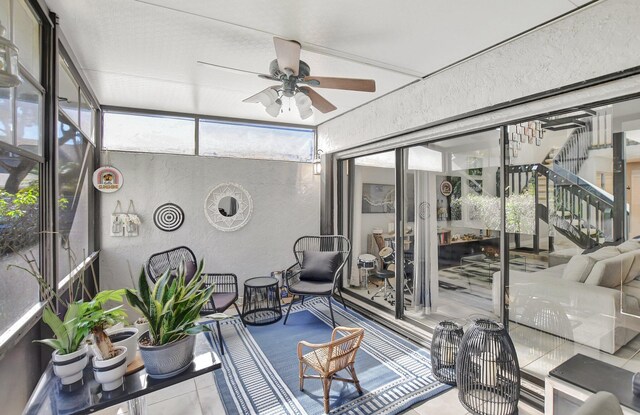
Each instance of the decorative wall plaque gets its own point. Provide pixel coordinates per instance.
(168, 217)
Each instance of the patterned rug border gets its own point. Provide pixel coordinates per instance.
(409, 361)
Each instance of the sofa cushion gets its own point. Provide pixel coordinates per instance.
(578, 268)
(604, 253)
(628, 246)
(634, 271)
(610, 272)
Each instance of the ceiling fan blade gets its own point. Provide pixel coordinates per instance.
(288, 54)
(254, 98)
(318, 101)
(351, 84)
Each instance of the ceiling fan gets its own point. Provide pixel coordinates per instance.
(295, 79)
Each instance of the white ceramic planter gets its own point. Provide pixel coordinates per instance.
(127, 337)
(69, 367)
(142, 327)
(110, 373)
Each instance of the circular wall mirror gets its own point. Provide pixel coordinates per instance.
(228, 207)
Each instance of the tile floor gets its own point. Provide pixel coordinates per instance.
(200, 397)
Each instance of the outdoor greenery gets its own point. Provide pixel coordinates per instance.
(173, 306)
(520, 211)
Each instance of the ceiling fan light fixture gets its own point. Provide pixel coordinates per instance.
(8, 61)
(305, 112)
(267, 97)
(302, 101)
(274, 108)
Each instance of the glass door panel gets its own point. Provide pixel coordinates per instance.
(451, 234)
(369, 218)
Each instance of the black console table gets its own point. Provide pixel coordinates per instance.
(51, 398)
(581, 376)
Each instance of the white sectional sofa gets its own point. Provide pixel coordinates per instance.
(586, 300)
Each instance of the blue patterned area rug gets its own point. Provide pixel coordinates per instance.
(259, 372)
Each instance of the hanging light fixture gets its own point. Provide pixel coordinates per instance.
(303, 102)
(317, 163)
(8, 61)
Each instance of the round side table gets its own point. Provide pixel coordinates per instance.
(261, 302)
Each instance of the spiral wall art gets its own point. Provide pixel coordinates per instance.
(168, 217)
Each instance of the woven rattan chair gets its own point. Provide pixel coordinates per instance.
(329, 358)
(158, 263)
(325, 288)
(225, 295)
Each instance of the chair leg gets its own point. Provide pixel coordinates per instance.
(303, 300)
(331, 311)
(301, 374)
(326, 387)
(239, 315)
(288, 310)
(341, 298)
(356, 381)
(220, 338)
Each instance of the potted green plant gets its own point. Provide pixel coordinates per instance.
(81, 318)
(172, 309)
(70, 355)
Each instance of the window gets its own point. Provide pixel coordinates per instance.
(6, 115)
(29, 117)
(73, 197)
(19, 234)
(255, 141)
(148, 133)
(67, 93)
(26, 35)
(87, 117)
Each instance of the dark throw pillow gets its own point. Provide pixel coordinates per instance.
(319, 266)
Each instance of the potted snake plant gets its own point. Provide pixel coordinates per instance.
(172, 308)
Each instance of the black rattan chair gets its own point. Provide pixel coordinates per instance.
(301, 287)
(225, 295)
(158, 263)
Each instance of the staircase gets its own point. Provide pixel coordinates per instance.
(574, 207)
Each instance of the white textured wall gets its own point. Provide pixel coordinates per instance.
(285, 206)
(596, 41)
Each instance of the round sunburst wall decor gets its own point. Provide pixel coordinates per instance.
(228, 207)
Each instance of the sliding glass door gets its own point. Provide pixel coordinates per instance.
(451, 235)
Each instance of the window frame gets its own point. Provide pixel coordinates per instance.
(204, 118)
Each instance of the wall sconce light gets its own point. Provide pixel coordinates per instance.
(317, 163)
(8, 61)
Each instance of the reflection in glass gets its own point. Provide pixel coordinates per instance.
(228, 206)
(19, 234)
(371, 181)
(73, 197)
(29, 117)
(27, 37)
(451, 216)
(6, 115)
(67, 92)
(87, 114)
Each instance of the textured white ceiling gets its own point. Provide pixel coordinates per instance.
(143, 53)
